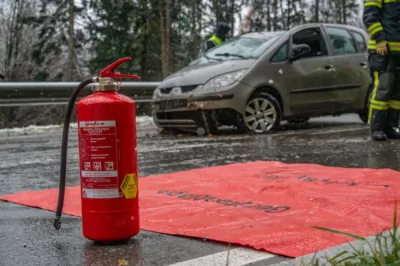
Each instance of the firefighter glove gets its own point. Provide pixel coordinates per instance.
(381, 48)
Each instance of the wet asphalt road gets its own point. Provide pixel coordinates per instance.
(29, 159)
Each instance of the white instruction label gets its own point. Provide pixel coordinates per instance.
(105, 193)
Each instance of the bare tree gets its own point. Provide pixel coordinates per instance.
(16, 48)
(71, 42)
(166, 67)
(316, 11)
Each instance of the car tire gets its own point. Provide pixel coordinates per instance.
(269, 108)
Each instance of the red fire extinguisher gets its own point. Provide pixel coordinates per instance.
(108, 159)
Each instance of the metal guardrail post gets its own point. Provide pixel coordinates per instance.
(55, 93)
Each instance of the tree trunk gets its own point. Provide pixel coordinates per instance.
(199, 22)
(286, 24)
(145, 18)
(269, 26)
(163, 33)
(167, 37)
(316, 11)
(194, 31)
(232, 16)
(10, 45)
(344, 11)
(71, 43)
(275, 10)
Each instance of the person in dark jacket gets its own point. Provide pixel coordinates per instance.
(382, 19)
(219, 36)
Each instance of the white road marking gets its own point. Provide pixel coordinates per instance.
(237, 257)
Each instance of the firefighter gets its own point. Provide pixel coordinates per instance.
(219, 36)
(381, 18)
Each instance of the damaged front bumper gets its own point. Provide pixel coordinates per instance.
(191, 113)
(208, 110)
(207, 102)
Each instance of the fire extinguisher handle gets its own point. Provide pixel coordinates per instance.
(110, 70)
(128, 76)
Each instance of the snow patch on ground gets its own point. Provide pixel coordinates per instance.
(33, 162)
(141, 122)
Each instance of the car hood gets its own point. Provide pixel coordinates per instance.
(200, 74)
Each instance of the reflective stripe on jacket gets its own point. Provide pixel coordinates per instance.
(216, 40)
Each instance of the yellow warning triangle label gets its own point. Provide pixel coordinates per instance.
(129, 186)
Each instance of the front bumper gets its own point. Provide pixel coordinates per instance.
(182, 120)
(188, 114)
(190, 111)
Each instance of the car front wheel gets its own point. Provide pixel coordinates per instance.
(262, 113)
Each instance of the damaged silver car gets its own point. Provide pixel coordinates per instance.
(257, 80)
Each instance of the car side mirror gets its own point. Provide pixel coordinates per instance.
(299, 51)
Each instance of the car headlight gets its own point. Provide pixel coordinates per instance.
(156, 93)
(219, 82)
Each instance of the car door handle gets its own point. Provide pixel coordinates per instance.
(329, 68)
(363, 64)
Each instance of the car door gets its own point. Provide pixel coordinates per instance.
(351, 65)
(310, 79)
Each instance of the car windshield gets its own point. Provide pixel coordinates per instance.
(241, 47)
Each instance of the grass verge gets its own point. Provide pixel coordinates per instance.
(384, 252)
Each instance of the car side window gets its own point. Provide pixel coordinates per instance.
(281, 55)
(360, 40)
(341, 41)
(313, 38)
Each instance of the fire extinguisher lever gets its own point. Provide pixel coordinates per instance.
(109, 72)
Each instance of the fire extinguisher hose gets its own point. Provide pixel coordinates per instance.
(64, 146)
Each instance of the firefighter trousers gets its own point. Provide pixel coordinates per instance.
(384, 109)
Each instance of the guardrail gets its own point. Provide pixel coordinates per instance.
(57, 93)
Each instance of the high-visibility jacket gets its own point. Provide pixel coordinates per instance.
(215, 40)
(205, 46)
(382, 19)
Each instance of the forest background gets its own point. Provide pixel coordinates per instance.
(69, 40)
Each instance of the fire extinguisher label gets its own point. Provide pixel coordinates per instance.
(98, 153)
(129, 186)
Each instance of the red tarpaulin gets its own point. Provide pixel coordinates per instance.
(265, 205)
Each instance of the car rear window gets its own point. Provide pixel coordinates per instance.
(341, 40)
(360, 40)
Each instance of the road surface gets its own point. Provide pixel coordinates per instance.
(29, 159)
